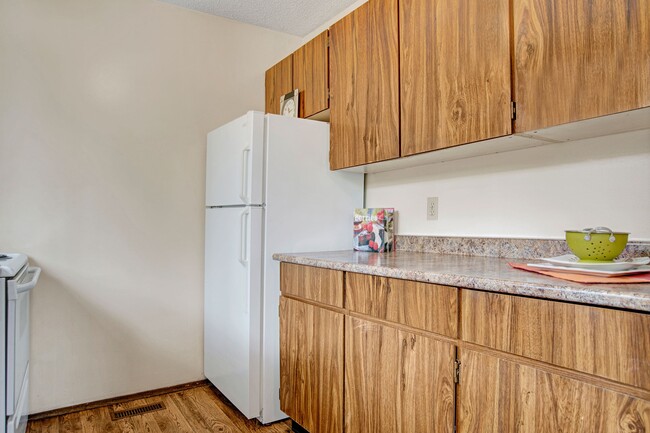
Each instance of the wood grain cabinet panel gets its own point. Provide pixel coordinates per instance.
(396, 381)
(579, 59)
(609, 343)
(500, 396)
(315, 284)
(425, 306)
(454, 72)
(310, 75)
(311, 366)
(364, 85)
(278, 81)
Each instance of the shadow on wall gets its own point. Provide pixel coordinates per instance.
(556, 154)
(97, 353)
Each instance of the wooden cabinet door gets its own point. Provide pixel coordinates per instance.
(501, 396)
(364, 85)
(579, 59)
(311, 75)
(396, 381)
(311, 366)
(454, 72)
(278, 81)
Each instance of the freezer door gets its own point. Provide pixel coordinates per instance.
(232, 322)
(235, 162)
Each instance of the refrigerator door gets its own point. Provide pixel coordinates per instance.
(235, 162)
(232, 322)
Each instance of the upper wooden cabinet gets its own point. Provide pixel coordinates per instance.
(364, 85)
(307, 70)
(407, 77)
(278, 81)
(311, 75)
(454, 72)
(579, 59)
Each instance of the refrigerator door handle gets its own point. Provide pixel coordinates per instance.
(244, 174)
(243, 238)
(243, 252)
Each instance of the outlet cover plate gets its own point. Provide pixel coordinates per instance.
(432, 208)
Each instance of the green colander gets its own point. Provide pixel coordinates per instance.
(598, 244)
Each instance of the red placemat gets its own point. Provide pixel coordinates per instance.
(588, 279)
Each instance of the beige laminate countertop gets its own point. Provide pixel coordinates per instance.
(483, 273)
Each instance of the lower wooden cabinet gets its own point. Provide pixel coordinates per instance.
(396, 381)
(378, 364)
(311, 366)
(501, 396)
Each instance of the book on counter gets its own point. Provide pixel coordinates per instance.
(373, 229)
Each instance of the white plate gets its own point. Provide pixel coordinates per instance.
(571, 261)
(593, 272)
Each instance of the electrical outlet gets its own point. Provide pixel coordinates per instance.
(432, 208)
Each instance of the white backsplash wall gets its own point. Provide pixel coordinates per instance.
(104, 110)
(536, 192)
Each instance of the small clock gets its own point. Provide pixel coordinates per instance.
(289, 104)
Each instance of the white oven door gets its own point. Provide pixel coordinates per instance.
(18, 294)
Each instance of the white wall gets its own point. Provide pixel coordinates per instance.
(104, 109)
(536, 192)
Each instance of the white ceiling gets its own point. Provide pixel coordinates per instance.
(297, 17)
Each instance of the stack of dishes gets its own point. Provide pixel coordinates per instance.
(569, 263)
(595, 252)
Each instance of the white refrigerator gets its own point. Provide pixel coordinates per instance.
(269, 189)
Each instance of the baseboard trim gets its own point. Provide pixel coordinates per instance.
(116, 400)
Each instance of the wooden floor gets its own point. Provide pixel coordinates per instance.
(195, 410)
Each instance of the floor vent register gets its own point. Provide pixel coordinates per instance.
(126, 413)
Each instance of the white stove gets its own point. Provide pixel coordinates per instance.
(11, 264)
(17, 279)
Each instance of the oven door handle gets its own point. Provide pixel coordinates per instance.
(35, 273)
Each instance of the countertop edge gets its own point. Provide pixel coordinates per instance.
(557, 292)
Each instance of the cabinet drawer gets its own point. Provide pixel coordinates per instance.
(316, 284)
(608, 343)
(421, 305)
